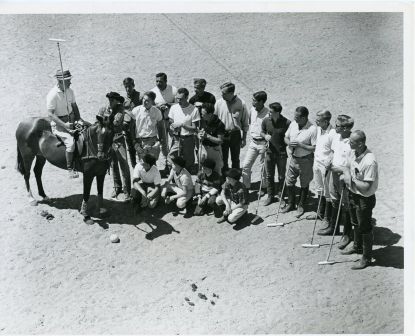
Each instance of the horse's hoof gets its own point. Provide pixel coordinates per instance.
(33, 202)
(88, 220)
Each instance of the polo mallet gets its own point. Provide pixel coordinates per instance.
(276, 223)
(318, 208)
(60, 61)
(327, 261)
(256, 218)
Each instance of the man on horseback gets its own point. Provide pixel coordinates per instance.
(63, 112)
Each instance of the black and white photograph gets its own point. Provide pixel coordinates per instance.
(206, 168)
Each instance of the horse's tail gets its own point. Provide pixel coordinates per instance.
(20, 163)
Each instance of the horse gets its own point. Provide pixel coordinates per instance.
(35, 140)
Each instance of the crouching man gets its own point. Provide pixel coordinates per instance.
(182, 188)
(207, 187)
(362, 181)
(234, 196)
(146, 184)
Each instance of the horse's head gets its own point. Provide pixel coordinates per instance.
(105, 135)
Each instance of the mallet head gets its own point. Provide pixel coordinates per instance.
(56, 40)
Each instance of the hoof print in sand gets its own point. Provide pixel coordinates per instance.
(194, 287)
(212, 303)
(202, 296)
(215, 295)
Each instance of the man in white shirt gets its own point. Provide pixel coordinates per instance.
(183, 117)
(322, 159)
(362, 181)
(301, 138)
(146, 183)
(63, 112)
(147, 127)
(165, 97)
(257, 145)
(340, 160)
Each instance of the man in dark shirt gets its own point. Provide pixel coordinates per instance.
(119, 151)
(211, 135)
(234, 196)
(273, 130)
(133, 99)
(201, 96)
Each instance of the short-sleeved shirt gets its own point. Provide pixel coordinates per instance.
(341, 151)
(55, 100)
(233, 114)
(255, 121)
(209, 182)
(146, 121)
(214, 128)
(277, 131)
(205, 97)
(150, 176)
(186, 115)
(307, 135)
(131, 101)
(323, 153)
(364, 168)
(167, 96)
(237, 193)
(183, 179)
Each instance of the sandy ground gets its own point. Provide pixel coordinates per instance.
(62, 276)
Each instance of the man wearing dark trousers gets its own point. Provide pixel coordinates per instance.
(133, 99)
(362, 182)
(273, 130)
(233, 112)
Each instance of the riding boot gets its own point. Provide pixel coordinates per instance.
(291, 200)
(84, 209)
(357, 246)
(367, 251)
(328, 211)
(301, 203)
(329, 231)
(270, 192)
(347, 230)
(69, 163)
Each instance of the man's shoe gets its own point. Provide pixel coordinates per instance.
(262, 193)
(344, 241)
(268, 201)
(357, 246)
(199, 211)
(115, 193)
(300, 211)
(221, 220)
(366, 260)
(302, 202)
(288, 207)
(72, 174)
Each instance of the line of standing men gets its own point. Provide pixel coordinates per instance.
(343, 168)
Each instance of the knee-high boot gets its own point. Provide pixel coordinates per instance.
(367, 240)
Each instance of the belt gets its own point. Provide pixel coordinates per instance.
(185, 136)
(146, 138)
(304, 157)
(259, 139)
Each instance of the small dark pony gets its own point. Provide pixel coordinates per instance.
(35, 140)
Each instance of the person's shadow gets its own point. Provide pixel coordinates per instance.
(121, 213)
(388, 255)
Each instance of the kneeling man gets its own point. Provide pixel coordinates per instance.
(146, 183)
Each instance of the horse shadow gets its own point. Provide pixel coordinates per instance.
(122, 213)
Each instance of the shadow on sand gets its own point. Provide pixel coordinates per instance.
(122, 213)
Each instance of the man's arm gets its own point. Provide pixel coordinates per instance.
(75, 110)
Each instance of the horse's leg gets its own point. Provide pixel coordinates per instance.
(100, 188)
(24, 164)
(88, 178)
(40, 162)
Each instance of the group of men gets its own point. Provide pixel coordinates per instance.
(164, 120)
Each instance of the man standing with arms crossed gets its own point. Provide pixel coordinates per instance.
(362, 181)
(301, 139)
(63, 112)
(233, 112)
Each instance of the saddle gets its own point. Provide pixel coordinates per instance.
(79, 140)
